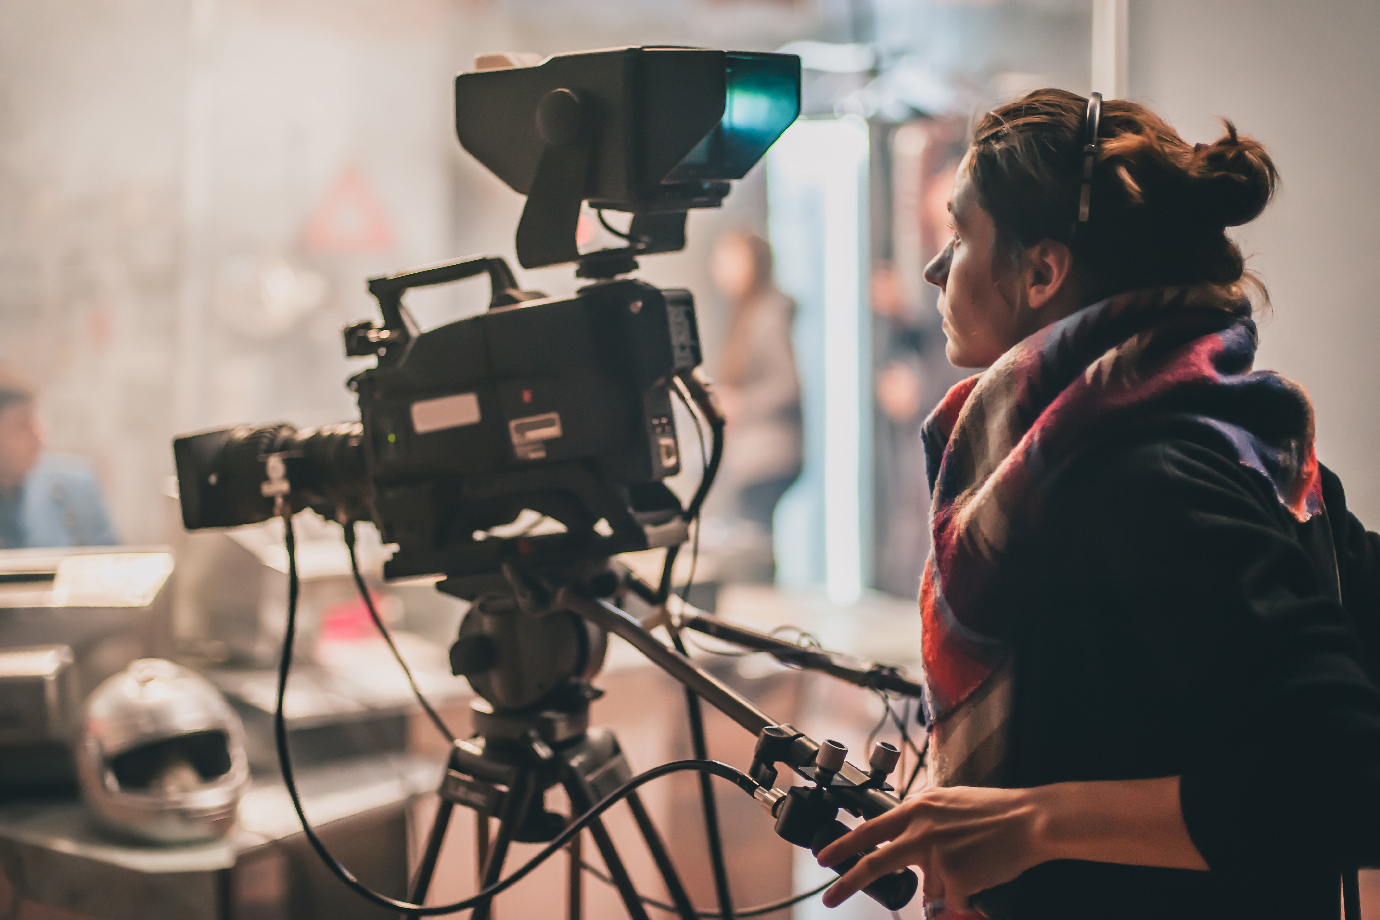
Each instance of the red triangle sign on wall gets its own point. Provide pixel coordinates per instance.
(350, 218)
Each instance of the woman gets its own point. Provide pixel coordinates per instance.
(757, 383)
(1149, 621)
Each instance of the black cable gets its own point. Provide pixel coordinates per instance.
(706, 479)
(898, 720)
(881, 723)
(698, 520)
(696, 713)
(349, 531)
(804, 638)
(889, 714)
(907, 742)
(916, 749)
(280, 739)
(716, 450)
(668, 565)
(757, 911)
(607, 226)
(806, 641)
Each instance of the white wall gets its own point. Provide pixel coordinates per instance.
(1303, 78)
(161, 162)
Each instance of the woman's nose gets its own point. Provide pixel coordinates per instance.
(937, 272)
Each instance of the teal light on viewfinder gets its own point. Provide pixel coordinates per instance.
(762, 99)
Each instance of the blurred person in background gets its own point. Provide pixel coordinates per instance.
(759, 390)
(45, 499)
(903, 394)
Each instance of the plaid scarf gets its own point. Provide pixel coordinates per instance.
(998, 440)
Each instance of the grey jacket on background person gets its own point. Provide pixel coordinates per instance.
(759, 381)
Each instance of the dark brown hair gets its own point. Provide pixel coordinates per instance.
(1160, 206)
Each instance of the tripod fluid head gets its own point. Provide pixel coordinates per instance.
(520, 653)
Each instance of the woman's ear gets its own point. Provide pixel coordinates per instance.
(1048, 275)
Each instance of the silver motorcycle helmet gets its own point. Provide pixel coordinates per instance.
(161, 758)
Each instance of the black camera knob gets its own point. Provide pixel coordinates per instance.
(472, 655)
(604, 584)
(560, 118)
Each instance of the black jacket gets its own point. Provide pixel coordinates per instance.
(1175, 619)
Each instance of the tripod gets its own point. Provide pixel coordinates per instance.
(525, 748)
(505, 770)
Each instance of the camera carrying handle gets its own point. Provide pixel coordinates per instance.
(367, 338)
(504, 292)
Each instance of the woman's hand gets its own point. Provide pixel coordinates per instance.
(967, 839)
(963, 839)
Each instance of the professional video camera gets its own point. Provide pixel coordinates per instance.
(560, 406)
(563, 408)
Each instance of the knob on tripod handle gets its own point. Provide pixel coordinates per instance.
(831, 757)
(884, 758)
(893, 891)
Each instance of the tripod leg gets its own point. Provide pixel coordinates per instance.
(518, 801)
(711, 811)
(427, 867)
(576, 879)
(481, 845)
(657, 848)
(580, 801)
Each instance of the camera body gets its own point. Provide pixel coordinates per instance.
(583, 379)
(561, 407)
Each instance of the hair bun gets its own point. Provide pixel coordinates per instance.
(1232, 180)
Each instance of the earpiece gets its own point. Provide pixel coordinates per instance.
(1090, 126)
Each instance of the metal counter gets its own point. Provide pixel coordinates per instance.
(53, 863)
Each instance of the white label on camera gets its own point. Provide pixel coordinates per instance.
(529, 433)
(430, 415)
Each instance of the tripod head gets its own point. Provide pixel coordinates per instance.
(520, 653)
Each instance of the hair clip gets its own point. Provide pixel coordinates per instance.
(1091, 125)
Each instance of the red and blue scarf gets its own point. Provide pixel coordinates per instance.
(997, 442)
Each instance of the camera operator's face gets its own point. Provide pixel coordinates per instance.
(21, 442)
(980, 323)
